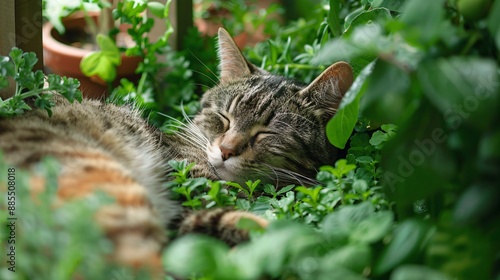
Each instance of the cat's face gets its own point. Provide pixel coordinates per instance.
(262, 126)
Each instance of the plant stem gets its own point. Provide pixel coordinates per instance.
(90, 23)
(142, 81)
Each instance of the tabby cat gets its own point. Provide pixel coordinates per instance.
(253, 125)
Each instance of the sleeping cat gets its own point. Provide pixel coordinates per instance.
(253, 125)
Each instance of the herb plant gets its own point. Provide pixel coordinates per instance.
(18, 68)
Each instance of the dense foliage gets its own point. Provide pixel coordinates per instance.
(415, 197)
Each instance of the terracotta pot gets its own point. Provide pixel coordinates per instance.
(64, 60)
(249, 36)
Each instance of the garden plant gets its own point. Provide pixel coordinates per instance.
(415, 195)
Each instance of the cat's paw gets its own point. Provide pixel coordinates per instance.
(221, 223)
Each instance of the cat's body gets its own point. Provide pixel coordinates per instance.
(253, 125)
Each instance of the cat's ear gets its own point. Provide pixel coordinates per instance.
(232, 62)
(327, 90)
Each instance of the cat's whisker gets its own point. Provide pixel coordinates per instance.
(189, 131)
(194, 129)
(261, 173)
(207, 76)
(202, 63)
(292, 177)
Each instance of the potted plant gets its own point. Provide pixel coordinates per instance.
(98, 41)
(245, 19)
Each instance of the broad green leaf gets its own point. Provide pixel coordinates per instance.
(489, 147)
(285, 189)
(406, 243)
(355, 257)
(425, 22)
(343, 223)
(383, 103)
(330, 272)
(475, 203)
(377, 15)
(271, 253)
(463, 89)
(393, 5)
(334, 19)
(373, 228)
(494, 23)
(340, 127)
(194, 254)
(360, 186)
(416, 162)
(417, 272)
(350, 17)
(157, 9)
(104, 62)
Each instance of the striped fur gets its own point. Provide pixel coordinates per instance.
(253, 125)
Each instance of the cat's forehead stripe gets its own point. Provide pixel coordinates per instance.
(233, 103)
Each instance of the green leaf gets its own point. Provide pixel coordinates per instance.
(312, 193)
(272, 251)
(67, 87)
(416, 162)
(243, 204)
(45, 102)
(475, 204)
(133, 8)
(104, 62)
(7, 68)
(463, 89)
(350, 17)
(386, 104)
(393, 5)
(340, 127)
(355, 257)
(417, 272)
(285, 189)
(364, 159)
(157, 9)
(330, 272)
(194, 254)
(30, 60)
(343, 223)
(17, 56)
(376, 15)
(407, 242)
(425, 22)
(373, 228)
(360, 186)
(494, 23)
(334, 19)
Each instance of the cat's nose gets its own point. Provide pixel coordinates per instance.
(226, 152)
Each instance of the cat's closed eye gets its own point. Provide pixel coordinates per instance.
(225, 120)
(259, 136)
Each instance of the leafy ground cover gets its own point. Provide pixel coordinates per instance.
(416, 196)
